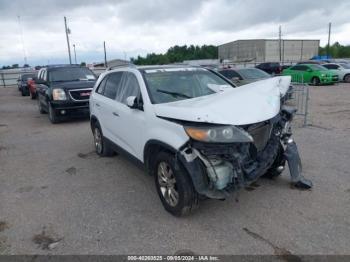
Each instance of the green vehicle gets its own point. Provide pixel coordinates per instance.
(311, 74)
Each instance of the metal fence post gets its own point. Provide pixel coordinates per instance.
(3, 79)
(306, 104)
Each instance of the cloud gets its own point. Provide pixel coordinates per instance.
(135, 27)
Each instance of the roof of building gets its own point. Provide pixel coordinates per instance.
(251, 40)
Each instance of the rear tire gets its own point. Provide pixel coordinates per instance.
(101, 146)
(315, 81)
(41, 110)
(347, 78)
(32, 96)
(174, 186)
(53, 115)
(23, 92)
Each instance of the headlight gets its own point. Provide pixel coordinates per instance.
(59, 94)
(218, 134)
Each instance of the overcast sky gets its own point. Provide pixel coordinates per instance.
(132, 27)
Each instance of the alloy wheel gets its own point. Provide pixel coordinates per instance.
(98, 140)
(167, 184)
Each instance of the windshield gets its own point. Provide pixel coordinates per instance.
(318, 67)
(347, 66)
(26, 76)
(173, 84)
(253, 73)
(70, 74)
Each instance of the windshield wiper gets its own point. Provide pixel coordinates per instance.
(173, 93)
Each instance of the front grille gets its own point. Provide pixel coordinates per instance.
(80, 94)
(261, 134)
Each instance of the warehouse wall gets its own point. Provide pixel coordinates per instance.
(243, 50)
(268, 50)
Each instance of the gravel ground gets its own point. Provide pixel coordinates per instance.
(58, 197)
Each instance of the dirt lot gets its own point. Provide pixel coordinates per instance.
(58, 197)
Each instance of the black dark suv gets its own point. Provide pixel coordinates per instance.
(64, 90)
(273, 68)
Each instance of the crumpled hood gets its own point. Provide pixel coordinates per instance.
(248, 104)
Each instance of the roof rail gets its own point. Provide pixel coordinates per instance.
(121, 65)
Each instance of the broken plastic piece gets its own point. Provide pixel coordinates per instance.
(303, 183)
(292, 156)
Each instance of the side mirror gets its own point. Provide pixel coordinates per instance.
(132, 102)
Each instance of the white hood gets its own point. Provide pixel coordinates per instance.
(248, 104)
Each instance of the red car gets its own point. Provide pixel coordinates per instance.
(32, 87)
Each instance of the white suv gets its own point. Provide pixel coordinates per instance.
(199, 135)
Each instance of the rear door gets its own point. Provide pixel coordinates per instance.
(296, 73)
(105, 106)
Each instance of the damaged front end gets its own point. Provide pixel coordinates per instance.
(218, 168)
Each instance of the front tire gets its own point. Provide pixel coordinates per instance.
(40, 107)
(101, 146)
(53, 115)
(174, 186)
(315, 81)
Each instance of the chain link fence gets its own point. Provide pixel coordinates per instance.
(10, 77)
(299, 97)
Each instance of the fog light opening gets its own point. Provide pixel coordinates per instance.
(63, 112)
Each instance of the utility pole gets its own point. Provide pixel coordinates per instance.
(104, 48)
(67, 33)
(329, 39)
(75, 54)
(22, 41)
(280, 42)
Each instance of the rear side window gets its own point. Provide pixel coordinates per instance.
(230, 74)
(129, 86)
(331, 66)
(299, 68)
(112, 85)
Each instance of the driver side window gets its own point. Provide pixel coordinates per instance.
(129, 86)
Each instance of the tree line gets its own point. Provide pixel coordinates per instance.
(178, 54)
(336, 50)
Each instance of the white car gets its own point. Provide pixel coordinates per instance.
(199, 135)
(343, 70)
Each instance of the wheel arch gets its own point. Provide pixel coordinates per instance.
(347, 74)
(93, 121)
(152, 147)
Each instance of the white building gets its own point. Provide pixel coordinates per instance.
(268, 50)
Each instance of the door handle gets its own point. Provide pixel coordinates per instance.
(97, 104)
(115, 114)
